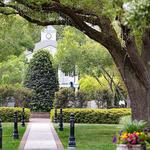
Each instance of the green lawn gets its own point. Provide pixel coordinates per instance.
(90, 136)
(8, 142)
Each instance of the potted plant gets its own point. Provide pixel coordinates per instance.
(131, 137)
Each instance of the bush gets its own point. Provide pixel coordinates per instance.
(67, 97)
(106, 116)
(63, 97)
(20, 95)
(7, 113)
(80, 99)
(103, 98)
(88, 85)
(41, 77)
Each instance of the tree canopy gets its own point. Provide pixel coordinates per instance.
(95, 19)
(12, 71)
(16, 36)
(75, 50)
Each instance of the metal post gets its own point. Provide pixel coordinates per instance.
(72, 141)
(23, 117)
(61, 120)
(1, 135)
(15, 133)
(55, 115)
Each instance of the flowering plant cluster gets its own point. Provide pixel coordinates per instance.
(132, 138)
(132, 134)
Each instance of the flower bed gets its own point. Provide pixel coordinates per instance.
(131, 137)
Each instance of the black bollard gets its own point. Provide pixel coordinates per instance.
(15, 133)
(72, 140)
(55, 115)
(23, 118)
(61, 120)
(1, 135)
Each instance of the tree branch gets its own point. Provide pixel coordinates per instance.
(33, 20)
(7, 13)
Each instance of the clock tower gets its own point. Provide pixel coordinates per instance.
(48, 33)
(49, 42)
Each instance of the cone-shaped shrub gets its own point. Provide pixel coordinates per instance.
(41, 77)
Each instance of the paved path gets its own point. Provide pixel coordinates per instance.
(40, 135)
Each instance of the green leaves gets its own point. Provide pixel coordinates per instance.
(41, 77)
(12, 71)
(134, 126)
(137, 14)
(16, 35)
(76, 49)
(97, 116)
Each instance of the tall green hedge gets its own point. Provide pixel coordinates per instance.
(7, 113)
(42, 78)
(106, 116)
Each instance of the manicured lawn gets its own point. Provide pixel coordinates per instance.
(8, 142)
(90, 136)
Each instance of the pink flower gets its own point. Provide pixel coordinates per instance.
(133, 142)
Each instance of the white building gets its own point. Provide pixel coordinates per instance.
(49, 42)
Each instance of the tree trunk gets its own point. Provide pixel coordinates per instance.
(136, 76)
(139, 96)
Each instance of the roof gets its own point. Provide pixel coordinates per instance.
(49, 29)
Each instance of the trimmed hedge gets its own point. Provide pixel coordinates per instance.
(7, 114)
(101, 116)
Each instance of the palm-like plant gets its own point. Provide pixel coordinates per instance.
(134, 126)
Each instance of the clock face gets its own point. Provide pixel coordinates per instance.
(48, 36)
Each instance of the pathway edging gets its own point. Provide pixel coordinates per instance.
(24, 138)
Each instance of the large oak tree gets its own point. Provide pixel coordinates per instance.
(132, 58)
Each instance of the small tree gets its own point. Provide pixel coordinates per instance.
(63, 97)
(81, 99)
(103, 98)
(20, 95)
(41, 77)
(67, 97)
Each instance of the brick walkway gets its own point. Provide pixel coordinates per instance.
(40, 135)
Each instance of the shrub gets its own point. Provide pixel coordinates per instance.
(63, 96)
(41, 77)
(88, 84)
(80, 99)
(107, 116)
(21, 95)
(7, 113)
(103, 98)
(66, 97)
